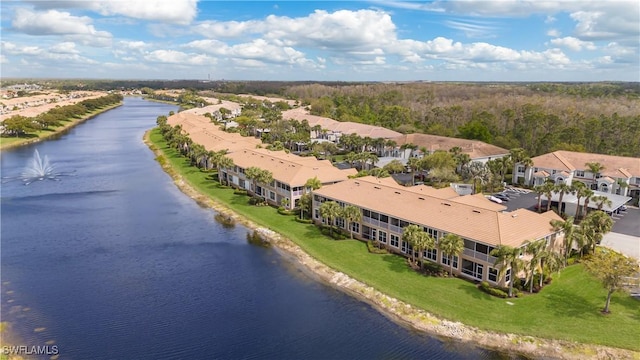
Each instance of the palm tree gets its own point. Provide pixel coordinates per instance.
(548, 188)
(409, 235)
(313, 184)
(477, 172)
(351, 158)
(539, 190)
(580, 190)
(550, 261)
(596, 224)
(507, 257)
(451, 245)
(421, 243)
(305, 204)
(351, 214)
(601, 200)
(588, 193)
(330, 210)
(506, 163)
(414, 165)
(536, 250)
(562, 189)
(224, 162)
(567, 228)
(595, 168)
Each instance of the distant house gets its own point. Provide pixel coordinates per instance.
(332, 130)
(477, 150)
(620, 175)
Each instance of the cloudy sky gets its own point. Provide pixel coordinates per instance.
(461, 40)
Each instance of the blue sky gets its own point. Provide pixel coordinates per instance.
(462, 40)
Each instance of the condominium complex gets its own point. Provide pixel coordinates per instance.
(618, 175)
(387, 208)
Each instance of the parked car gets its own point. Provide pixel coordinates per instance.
(495, 199)
(623, 208)
(502, 196)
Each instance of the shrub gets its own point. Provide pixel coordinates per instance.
(434, 269)
(375, 250)
(283, 211)
(257, 201)
(484, 286)
(240, 192)
(304, 221)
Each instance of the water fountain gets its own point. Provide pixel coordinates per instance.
(38, 169)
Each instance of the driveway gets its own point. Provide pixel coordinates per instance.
(627, 222)
(626, 244)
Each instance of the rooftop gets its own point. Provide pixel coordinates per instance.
(614, 166)
(470, 216)
(475, 148)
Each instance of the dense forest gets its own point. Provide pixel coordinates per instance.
(600, 118)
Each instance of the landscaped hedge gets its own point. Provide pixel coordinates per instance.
(374, 249)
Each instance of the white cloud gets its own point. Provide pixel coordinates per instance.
(553, 33)
(340, 30)
(66, 47)
(13, 49)
(574, 44)
(473, 29)
(178, 57)
(172, 11)
(53, 22)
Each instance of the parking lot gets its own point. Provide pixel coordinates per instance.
(625, 222)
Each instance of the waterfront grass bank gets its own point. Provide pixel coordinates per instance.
(10, 142)
(568, 309)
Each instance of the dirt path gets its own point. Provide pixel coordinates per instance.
(399, 311)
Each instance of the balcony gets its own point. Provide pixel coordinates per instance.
(479, 256)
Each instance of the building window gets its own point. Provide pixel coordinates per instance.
(493, 274)
(520, 169)
(382, 237)
(431, 254)
(446, 260)
(340, 223)
(272, 195)
(507, 276)
(580, 173)
(316, 213)
(394, 240)
(355, 227)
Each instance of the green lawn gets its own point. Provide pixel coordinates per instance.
(567, 309)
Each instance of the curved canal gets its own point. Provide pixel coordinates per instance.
(115, 262)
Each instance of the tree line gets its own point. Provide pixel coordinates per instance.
(22, 126)
(537, 117)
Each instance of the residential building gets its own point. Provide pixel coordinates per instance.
(387, 208)
(331, 130)
(620, 175)
(477, 150)
(290, 173)
(202, 131)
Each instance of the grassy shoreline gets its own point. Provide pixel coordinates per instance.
(567, 310)
(11, 142)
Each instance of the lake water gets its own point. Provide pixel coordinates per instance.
(116, 263)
